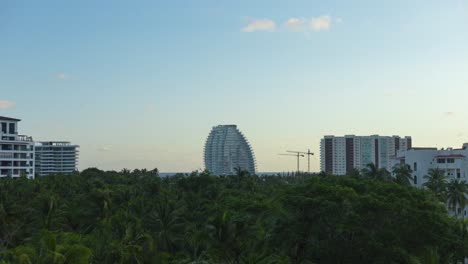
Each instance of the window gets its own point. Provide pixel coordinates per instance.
(12, 128)
(4, 127)
(458, 173)
(450, 160)
(415, 179)
(415, 166)
(440, 160)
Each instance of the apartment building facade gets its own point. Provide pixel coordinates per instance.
(452, 162)
(55, 157)
(16, 151)
(339, 155)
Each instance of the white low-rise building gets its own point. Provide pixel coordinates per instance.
(16, 151)
(452, 162)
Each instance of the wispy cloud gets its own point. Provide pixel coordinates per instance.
(449, 113)
(259, 25)
(6, 104)
(320, 23)
(62, 76)
(315, 24)
(104, 148)
(295, 24)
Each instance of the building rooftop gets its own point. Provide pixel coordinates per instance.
(450, 156)
(423, 148)
(9, 118)
(54, 143)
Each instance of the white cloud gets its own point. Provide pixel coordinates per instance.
(6, 104)
(320, 23)
(62, 76)
(295, 24)
(259, 25)
(104, 148)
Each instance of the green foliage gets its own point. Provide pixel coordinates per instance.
(371, 171)
(402, 174)
(139, 217)
(437, 183)
(456, 195)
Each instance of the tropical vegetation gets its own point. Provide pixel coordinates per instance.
(139, 217)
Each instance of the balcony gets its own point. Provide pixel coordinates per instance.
(12, 156)
(24, 138)
(6, 156)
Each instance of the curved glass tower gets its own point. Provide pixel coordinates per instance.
(226, 149)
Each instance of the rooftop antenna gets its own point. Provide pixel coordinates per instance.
(308, 153)
(298, 155)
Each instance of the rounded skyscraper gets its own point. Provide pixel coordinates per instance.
(226, 149)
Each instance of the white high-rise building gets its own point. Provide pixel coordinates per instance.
(16, 151)
(226, 149)
(56, 157)
(339, 155)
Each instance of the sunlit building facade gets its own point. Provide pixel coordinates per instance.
(226, 149)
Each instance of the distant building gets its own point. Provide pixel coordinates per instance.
(226, 149)
(16, 151)
(339, 155)
(55, 157)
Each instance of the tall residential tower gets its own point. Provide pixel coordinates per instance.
(339, 155)
(226, 149)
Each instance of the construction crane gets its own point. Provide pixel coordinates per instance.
(308, 153)
(298, 155)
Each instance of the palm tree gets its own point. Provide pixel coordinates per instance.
(166, 221)
(241, 173)
(402, 174)
(354, 173)
(436, 182)
(456, 195)
(371, 171)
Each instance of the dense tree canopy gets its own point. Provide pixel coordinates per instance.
(139, 217)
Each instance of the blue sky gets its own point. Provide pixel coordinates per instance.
(141, 83)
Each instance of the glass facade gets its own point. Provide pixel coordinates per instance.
(366, 151)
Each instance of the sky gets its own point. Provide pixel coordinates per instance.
(140, 84)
